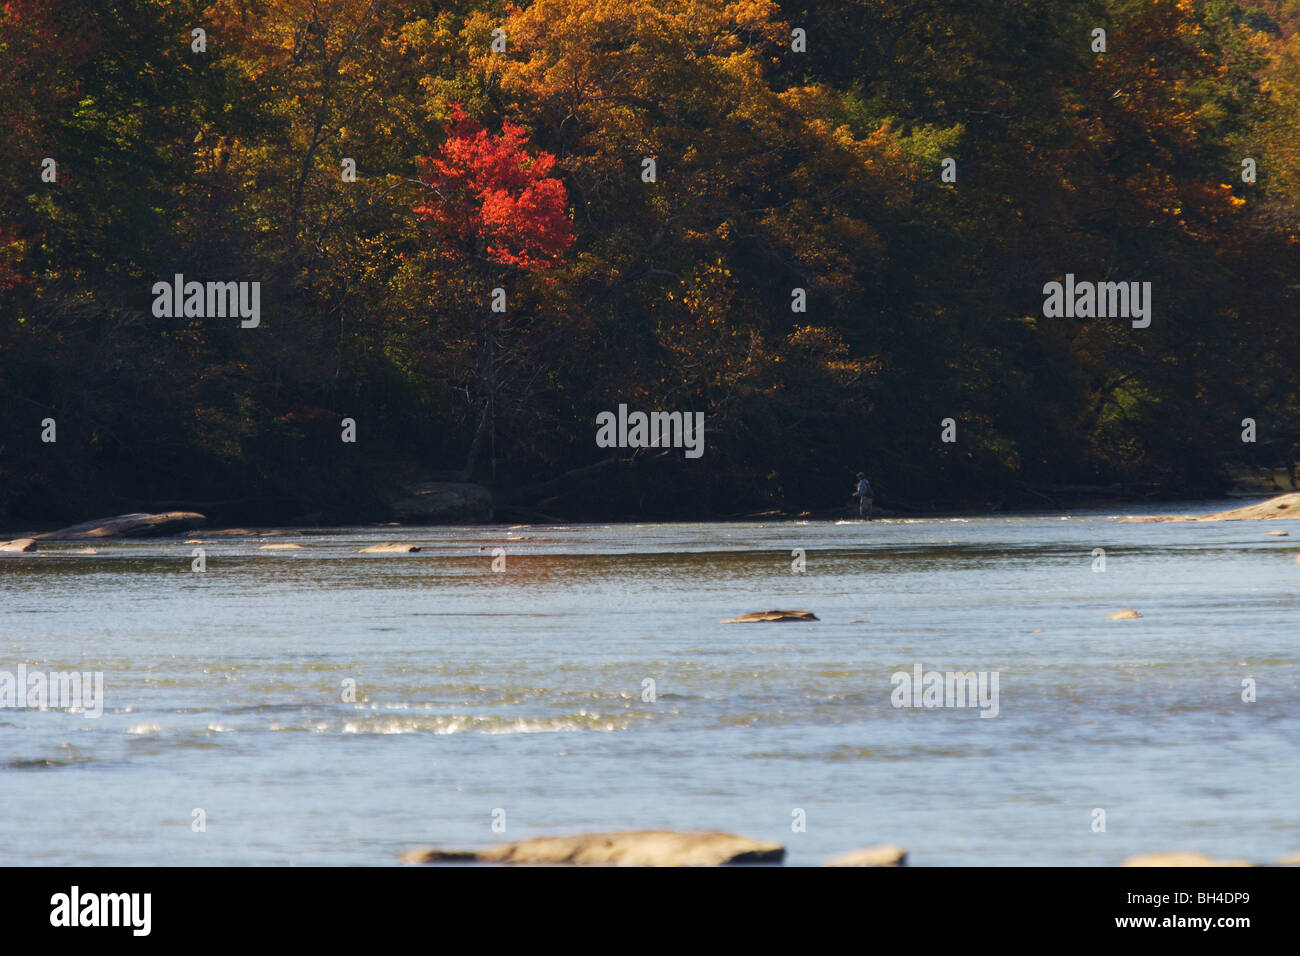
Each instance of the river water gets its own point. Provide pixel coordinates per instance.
(522, 696)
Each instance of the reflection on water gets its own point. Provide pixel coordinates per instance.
(327, 707)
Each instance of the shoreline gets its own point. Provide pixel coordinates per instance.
(1165, 511)
(443, 502)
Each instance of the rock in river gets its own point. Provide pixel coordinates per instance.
(129, 526)
(883, 855)
(1180, 858)
(772, 616)
(631, 848)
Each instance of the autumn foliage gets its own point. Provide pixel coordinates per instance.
(797, 269)
(495, 198)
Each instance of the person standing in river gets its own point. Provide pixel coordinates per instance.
(864, 495)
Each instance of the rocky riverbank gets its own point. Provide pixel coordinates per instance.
(1283, 506)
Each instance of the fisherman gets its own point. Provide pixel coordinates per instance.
(864, 496)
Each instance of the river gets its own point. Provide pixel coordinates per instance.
(232, 733)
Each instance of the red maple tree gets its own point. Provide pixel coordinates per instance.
(496, 198)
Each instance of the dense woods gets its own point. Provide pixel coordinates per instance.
(795, 146)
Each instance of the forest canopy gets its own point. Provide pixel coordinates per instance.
(476, 226)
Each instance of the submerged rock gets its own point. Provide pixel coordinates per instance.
(1283, 506)
(389, 549)
(884, 854)
(1125, 615)
(630, 848)
(772, 616)
(1180, 858)
(129, 526)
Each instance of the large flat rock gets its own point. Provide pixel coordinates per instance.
(1283, 506)
(885, 854)
(1180, 858)
(18, 544)
(631, 848)
(129, 526)
(758, 617)
(444, 502)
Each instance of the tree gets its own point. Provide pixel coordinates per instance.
(492, 202)
(497, 202)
